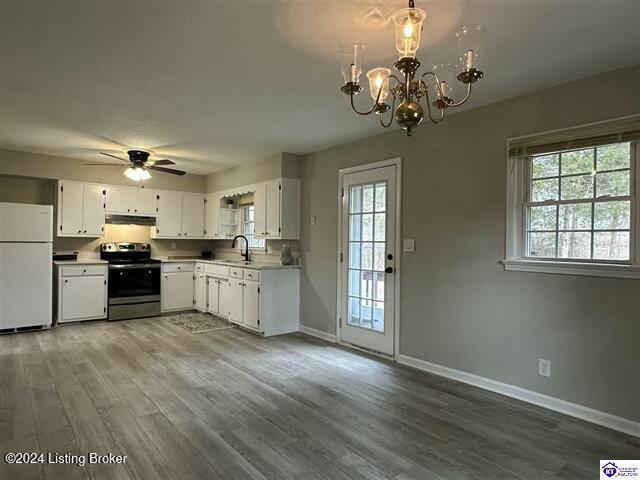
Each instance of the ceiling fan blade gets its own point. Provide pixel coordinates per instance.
(166, 170)
(164, 161)
(102, 165)
(113, 156)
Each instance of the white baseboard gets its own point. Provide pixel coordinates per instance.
(604, 419)
(318, 333)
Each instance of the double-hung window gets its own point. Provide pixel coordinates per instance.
(580, 204)
(248, 228)
(573, 205)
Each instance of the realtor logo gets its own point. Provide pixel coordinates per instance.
(610, 469)
(626, 469)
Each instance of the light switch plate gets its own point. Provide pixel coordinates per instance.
(409, 245)
(313, 221)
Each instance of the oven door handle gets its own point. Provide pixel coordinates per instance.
(135, 266)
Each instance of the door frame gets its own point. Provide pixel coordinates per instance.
(393, 162)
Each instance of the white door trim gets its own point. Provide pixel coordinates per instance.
(397, 162)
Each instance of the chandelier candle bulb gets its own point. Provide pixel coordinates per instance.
(378, 83)
(408, 28)
(351, 62)
(469, 59)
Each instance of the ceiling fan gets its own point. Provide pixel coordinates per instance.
(139, 164)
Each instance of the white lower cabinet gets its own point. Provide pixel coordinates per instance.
(224, 298)
(199, 292)
(235, 300)
(177, 287)
(213, 290)
(81, 292)
(265, 301)
(251, 305)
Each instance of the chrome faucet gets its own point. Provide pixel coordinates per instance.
(246, 253)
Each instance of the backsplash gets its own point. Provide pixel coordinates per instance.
(162, 247)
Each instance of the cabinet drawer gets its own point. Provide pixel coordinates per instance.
(200, 267)
(252, 275)
(84, 270)
(177, 267)
(236, 272)
(216, 270)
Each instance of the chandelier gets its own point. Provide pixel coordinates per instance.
(409, 90)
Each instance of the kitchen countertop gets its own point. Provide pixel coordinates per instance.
(95, 261)
(229, 263)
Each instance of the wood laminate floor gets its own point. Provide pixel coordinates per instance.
(230, 405)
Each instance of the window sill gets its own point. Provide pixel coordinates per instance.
(573, 268)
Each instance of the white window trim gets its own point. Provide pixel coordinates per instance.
(257, 250)
(515, 259)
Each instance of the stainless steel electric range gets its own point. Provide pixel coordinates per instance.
(134, 280)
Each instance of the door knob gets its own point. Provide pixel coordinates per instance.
(389, 270)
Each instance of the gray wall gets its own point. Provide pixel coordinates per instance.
(35, 165)
(245, 174)
(459, 308)
(276, 166)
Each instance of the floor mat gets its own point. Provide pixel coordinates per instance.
(199, 322)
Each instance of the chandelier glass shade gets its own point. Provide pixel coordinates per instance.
(435, 87)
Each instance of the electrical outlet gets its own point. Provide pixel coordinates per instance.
(173, 245)
(544, 367)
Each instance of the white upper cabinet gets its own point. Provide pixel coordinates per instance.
(260, 211)
(131, 201)
(80, 209)
(93, 210)
(212, 215)
(192, 215)
(277, 209)
(169, 216)
(179, 215)
(145, 202)
(120, 200)
(70, 196)
(273, 206)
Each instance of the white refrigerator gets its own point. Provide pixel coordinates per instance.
(26, 235)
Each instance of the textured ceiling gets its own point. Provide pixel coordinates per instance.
(212, 84)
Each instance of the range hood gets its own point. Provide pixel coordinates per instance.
(129, 220)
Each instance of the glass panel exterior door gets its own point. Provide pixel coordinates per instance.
(368, 266)
(367, 250)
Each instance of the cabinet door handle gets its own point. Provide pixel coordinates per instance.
(79, 231)
(66, 281)
(84, 231)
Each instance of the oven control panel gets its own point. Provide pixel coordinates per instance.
(125, 247)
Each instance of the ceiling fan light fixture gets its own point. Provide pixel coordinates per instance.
(137, 174)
